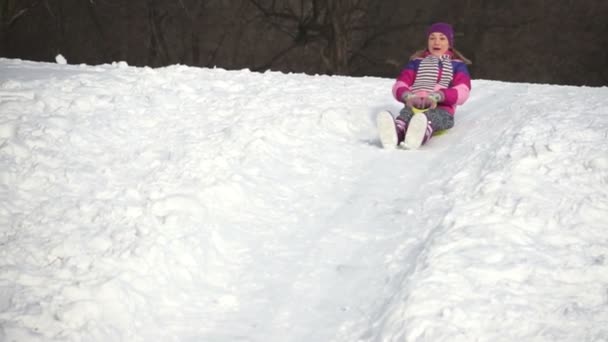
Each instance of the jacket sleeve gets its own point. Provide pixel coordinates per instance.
(405, 80)
(459, 89)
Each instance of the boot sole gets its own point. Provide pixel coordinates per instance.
(416, 131)
(386, 130)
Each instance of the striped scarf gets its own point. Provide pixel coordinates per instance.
(428, 73)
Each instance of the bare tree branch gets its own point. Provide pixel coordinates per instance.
(9, 14)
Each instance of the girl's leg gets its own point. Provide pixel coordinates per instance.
(402, 121)
(440, 119)
(405, 115)
(433, 120)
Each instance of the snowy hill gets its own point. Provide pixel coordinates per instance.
(188, 204)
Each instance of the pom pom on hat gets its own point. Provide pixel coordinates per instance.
(444, 28)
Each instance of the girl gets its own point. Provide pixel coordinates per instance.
(432, 84)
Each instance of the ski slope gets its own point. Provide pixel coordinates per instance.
(190, 204)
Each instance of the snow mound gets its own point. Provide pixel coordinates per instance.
(182, 203)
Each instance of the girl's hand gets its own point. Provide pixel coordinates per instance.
(414, 101)
(421, 102)
(435, 97)
(408, 99)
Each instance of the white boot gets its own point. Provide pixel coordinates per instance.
(416, 133)
(386, 129)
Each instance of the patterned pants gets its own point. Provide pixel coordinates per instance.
(439, 118)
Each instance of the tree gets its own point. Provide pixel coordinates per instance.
(339, 30)
(11, 11)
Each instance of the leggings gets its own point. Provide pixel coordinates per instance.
(439, 118)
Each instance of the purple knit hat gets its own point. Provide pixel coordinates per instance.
(444, 28)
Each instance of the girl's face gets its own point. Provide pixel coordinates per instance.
(438, 44)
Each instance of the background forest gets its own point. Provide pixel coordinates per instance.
(558, 42)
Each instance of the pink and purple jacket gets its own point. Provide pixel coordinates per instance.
(455, 94)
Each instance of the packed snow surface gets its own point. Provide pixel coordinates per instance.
(190, 204)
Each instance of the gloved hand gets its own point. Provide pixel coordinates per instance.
(420, 102)
(435, 97)
(408, 98)
(426, 102)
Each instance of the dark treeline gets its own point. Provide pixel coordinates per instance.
(543, 41)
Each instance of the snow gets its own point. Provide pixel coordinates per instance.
(59, 59)
(190, 204)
